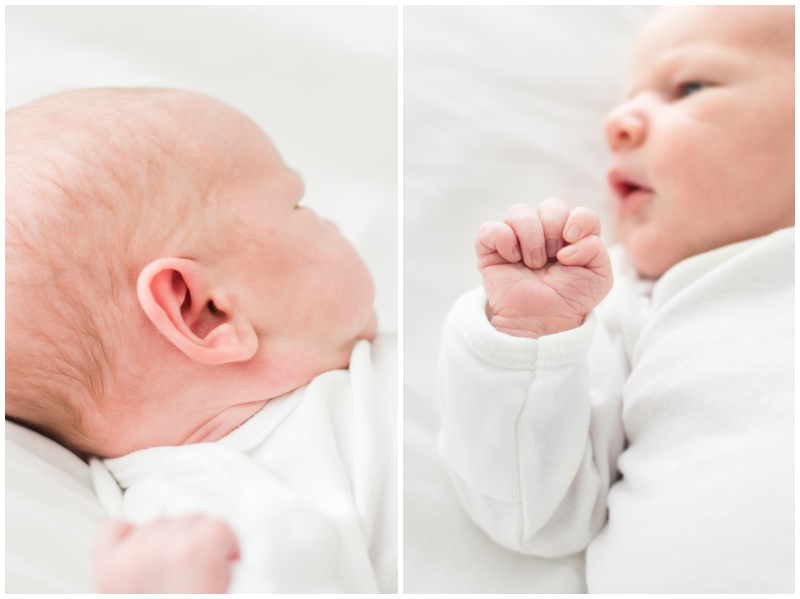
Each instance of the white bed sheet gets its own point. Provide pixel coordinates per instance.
(501, 105)
(321, 81)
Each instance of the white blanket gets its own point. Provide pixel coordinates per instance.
(693, 378)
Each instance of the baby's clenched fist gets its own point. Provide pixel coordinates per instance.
(188, 554)
(543, 270)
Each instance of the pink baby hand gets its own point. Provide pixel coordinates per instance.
(189, 554)
(527, 296)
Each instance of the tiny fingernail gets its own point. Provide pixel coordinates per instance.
(568, 251)
(551, 246)
(574, 232)
(538, 258)
(515, 253)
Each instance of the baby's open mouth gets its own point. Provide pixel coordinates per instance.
(630, 193)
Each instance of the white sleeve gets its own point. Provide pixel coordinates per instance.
(531, 447)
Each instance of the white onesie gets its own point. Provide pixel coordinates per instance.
(683, 389)
(308, 484)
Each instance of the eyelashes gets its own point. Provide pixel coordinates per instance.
(689, 88)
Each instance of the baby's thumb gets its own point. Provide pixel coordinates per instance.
(589, 253)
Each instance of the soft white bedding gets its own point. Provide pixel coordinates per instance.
(322, 81)
(52, 514)
(501, 105)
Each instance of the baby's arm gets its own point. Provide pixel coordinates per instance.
(190, 554)
(531, 456)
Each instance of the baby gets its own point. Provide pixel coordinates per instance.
(168, 302)
(656, 430)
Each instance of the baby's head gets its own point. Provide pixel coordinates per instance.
(160, 273)
(703, 143)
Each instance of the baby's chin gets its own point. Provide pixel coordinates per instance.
(649, 251)
(651, 256)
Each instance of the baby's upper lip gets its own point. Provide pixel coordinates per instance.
(624, 183)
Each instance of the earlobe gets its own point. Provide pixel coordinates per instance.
(176, 295)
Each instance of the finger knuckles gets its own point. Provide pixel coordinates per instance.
(583, 214)
(518, 209)
(525, 224)
(554, 205)
(495, 230)
(486, 227)
(553, 213)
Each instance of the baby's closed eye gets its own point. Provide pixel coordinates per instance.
(690, 87)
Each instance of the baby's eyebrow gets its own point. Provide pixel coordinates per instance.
(722, 60)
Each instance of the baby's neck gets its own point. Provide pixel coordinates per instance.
(225, 422)
(177, 401)
(181, 407)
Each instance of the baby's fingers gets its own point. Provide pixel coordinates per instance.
(528, 230)
(110, 533)
(581, 223)
(496, 243)
(222, 536)
(553, 214)
(589, 253)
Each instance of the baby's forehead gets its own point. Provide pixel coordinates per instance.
(744, 29)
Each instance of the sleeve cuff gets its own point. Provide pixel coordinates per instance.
(507, 351)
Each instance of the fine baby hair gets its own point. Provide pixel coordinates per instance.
(88, 175)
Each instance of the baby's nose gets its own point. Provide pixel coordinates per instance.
(625, 129)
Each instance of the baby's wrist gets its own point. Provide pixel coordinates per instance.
(533, 327)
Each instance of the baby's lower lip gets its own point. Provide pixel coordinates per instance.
(630, 202)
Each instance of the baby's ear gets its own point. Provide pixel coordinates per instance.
(177, 297)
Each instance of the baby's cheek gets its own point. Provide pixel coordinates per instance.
(693, 168)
